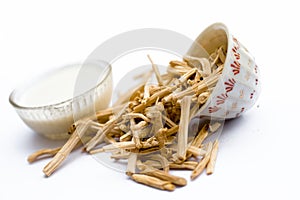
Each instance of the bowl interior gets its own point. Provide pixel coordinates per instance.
(209, 40)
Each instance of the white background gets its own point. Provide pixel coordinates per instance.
(258, 156)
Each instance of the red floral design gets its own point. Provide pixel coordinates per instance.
(252, 94)
(255, 69)
(236, 54)
(213, 109)
(221, 98)
(242, 109)
(239, 113)
(230, 84)
(236, 67)
(236, 41)
(234, 49)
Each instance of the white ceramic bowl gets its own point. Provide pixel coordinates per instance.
(239, 86)
(49, 103)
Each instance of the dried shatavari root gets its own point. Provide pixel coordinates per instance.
(151, 130)
(43, 153)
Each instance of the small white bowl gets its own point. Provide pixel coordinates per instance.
(49, 104)
(239, 86)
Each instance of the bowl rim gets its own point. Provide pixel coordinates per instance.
(106, 73)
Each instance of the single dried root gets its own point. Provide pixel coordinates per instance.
(62, 154)
(153, 182)
(43, 153)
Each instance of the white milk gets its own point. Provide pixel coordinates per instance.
(57, 87)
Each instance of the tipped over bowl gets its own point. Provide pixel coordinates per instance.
(239, 85)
